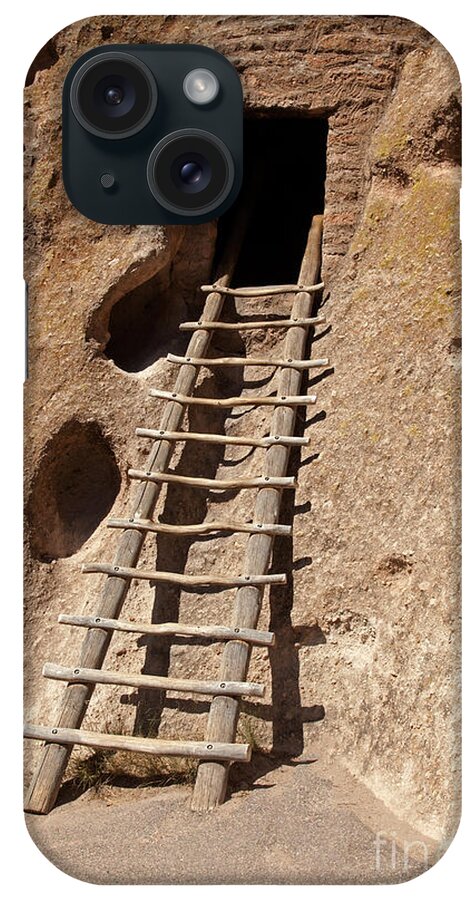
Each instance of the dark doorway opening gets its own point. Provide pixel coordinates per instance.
(285, 171)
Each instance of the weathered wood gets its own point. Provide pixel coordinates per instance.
(192, 749)
(180, 629)
(154, 682)
(264, 290)
(250, 325)
(246, 400)
(218, 484)
(208, 438)
(47, 778)
(248, 361)
(212, 777)
(202, 528)
(186, 581)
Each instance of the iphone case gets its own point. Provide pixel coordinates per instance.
(261, 651)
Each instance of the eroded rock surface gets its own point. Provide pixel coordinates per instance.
(367, 630)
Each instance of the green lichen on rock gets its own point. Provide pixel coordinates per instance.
(389, 144)
(377, 210)
(410, 235)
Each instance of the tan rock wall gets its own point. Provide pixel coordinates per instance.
(367, 629)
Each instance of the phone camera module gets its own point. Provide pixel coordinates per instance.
(113, 95)
(153, 134)
(190, 172)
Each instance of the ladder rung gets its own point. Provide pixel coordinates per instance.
(250, 325)
(157, 682)
(214, 632)
(207, 438)
(204, 528)
(248, 361)
(262, 481)
(306, 400)
(184, 580)
(192, 749)
(262, 290)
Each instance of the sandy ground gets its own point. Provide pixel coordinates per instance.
(302, 821)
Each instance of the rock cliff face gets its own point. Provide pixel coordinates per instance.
(366, 657)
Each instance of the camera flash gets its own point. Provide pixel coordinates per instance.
(201, 86)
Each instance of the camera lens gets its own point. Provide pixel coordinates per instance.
(113, 95)
(190, 172)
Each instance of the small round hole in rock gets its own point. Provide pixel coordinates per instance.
(74, 488)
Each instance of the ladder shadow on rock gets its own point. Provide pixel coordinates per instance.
(285, 710)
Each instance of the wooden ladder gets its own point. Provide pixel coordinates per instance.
(219, 749)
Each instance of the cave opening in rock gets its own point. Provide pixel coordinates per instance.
(74, 488)
(285, 166)
(143, 325)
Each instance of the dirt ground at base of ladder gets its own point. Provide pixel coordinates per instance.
(302, 821)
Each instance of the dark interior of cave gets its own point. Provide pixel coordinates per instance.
(285, 170)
